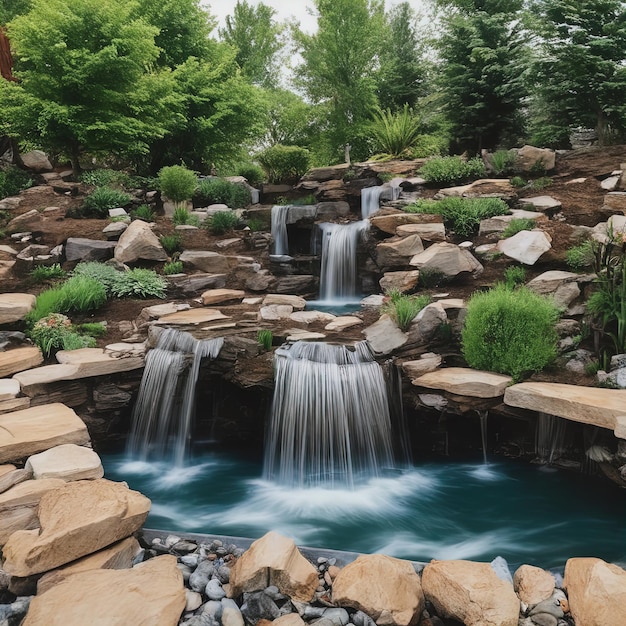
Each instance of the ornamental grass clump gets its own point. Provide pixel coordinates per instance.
(395, 133)
(510, 331)
(222, 221)
(517, 226)
(98, 203)
(177, 183)
(403, 308)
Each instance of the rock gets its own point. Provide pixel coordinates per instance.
(533, 584)
(302, 284)
(311, 317)
(482, 188)
(275, 312)
(386, 589)
(562, 286)
(15, 306)
(529, 159)
(297, 303)
(426, 323)
(37, 160)
(26, 221)
(32, 430)
(80, 249)
(291, 619)
(596, 591)
(526, 246)
(214, 590)
(402, 281)
(76, 519)
(447, 259)
(435, 231)
(138, 242)
(384, 335)
(14, 612)
(114, 230)
(297, 334)
(610, 183)
(206, 261)
(196, 283)
(219, 296)
(258, 607)
(471, 593)
(397, 252)
(274, 560)
(390, 222)
(545, 204)
(149, 594)
(343, 322)
(150, 313)
(615, 201)
(426, 363)
(67, 462)
(463, 381)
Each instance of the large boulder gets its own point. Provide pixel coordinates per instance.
(150, 594)
(274, 560)
(530, 159)
(434, 231)
(463, 381)
(596, 592)
(447, 259)
(81, 249)
(398, 251)
(533, 584)
(15, 306)
(526, 246)
(138, 242)
(402, 281)
(384, 336)
(37, 160)
(386, 589)
(76, 519)
(471, 593)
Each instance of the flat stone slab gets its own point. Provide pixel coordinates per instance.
(27, 432)
(9, 389)
(541, 203)
(526, 246)
(297, 334)
(15, 306)
(343, 322)
(67, 462)
(312, 317)
(384, 335)
(589, 405)
(425, 364)
(16, 404)
(463, 381)
(192, 317)
(19, 359)
(296, 302)
(219, 296)
(427, 232)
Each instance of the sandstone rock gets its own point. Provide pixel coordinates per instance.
(193, 317)
(463, 381)
(533, 584)
(25, 221)
(76, 519)
(529, 158)
(384, 335)
(386, 589)
(343, 322)
(389, 223)
(13, 477)
(157, 311)
(206, 261)
(15, 306)
(26, 432)
(9, 388)
(596, 591)
(16, 404)
(562, 286)
(526, 246)
(37, 160)
(196, 283)
(471, 593)
(427, 232)
(301, 284)
(297, 303)
(298, 334)
(484, 187)
(403, 281)
(118, 556)
(542, 203)
(139, 242)
(275, 312)
(274, 560)
(397, 252)
(448, 259)
(311, 317)
(427, 323)
(426, 363)
(219, 296)
(610, 183)
(80, 249)
(114, 230)
(150, 594)
(616, 201)
(67, 462)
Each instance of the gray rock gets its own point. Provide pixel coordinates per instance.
(501, 568)
(190, 560)
(258, 605)
(214, 590)
(12, 339)
(199, 579)
(223, 574)
(544, 619)
(231, 615)
(549, 606)
(337, 617)
(362, 619)
(12, 614)
(214, 609)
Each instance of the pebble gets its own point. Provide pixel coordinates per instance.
(194, 600)
(203, 573)
(214, 590)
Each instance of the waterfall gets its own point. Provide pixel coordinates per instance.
(338, 276)
(279, 229)
(370, 197)
(330, 421)
(163, 414)
(549, 437)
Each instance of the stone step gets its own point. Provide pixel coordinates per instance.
(19, 359)
(463, 381)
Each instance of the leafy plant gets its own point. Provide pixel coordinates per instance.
(182, 217)
(252, 172)
(101, 200)
(105, 178)
(256, 225)
(540, 183)
(143, 212)
(55, 332)
(13, 180)
(502, 161)
(284, 163)
(47, 272)
(514, 276)
(171, 243)
(139, 283)
(518, 182)
(463, 215)
(177, 183)
(430, 277)
(307, 200)
(510, 331)
(222, 221)
(220, 191)
(403, 308)
(451, 170)
(517, 226)
(395, 132)
(580, 256)
(105, 274)
(173, 267)
(93, 329)
(265, 338)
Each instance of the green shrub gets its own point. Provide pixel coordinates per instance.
(222, 221)
(502, 161)
(452, 170)
(304, 201)
(256, 224)
(252, 172)
(265, 338)
(580, 256)
(510, 331)
(220, 191)
(173, 267)
(517, 226)
(518, 182)
(143, 212)
(284, 163)
(105, 274)
(182, 217)
(395, 133)
(106, 178)
(403, 308)
(55, 332)
(177, 183)
(47, 272)
(429, 145)
(429, 277)
(98, 203)
(139, 283)
(13, 180)
(463, 215)
(93, 329)
(171, 243)
(540, 183)
(514, 276)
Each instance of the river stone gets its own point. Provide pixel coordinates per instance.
(526, 246)
(139, 242)
(291, 619)
(274, 560)
(533, 584)
(471, 593)
(596, 591)
(118, 556)
(15, 306)
(463, 381)
(384, 335)
(150, 594)
(76, 519)
(385, 588)
(32, 430)
(448, 259)
(214, 590)
(67, 462)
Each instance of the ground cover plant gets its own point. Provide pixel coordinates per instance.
(13, 180)
(451, 170)
(517, 226)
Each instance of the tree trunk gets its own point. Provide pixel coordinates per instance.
(74, 158)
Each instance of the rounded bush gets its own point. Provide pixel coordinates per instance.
(220, 191)
(284, 163)
(98, 203)
(510, 331)
(177, 182)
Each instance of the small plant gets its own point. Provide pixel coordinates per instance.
(171, 243)
(514, 276)
(47, 272)
(518, 182)
(98, 203)
(177, 183)
(540, 183)
(105, 178)
(395, 133)
(592, 368)
(13, 180)
(222, 221)
(304, 201)
(502, 161)
(284, 163)
(265, 338)
(182, 217)
(55, 332)
(143, 212)
(256, 225)
(253, 173)
(580, 256)
(517, 226)
(93, 329)
(220, 191)
(403, 308)
(510, 331)
(105, 274)
(429, 278)
(173, 267)
(139, 283)
(451, 170)
(538, 167)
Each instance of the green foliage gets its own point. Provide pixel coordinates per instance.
(284, 163)
(580, 256)
(265, 338)
(403, 308)
(514, 276)
(182, 217)
(104, 178)
(143, 212)
(518, 182)
(429, 145)
(518, 225)
(173, 267)
(104, 274)
(510, 331)
(12, 181)
(502, 161)
(171, 243)
(290, 119)
(540, 183)
(222, 221)
(177, 183)
(463, 215)
(93, 329)
(257, 225)
(307, 200)
(47, 272)
(55, 332)
(101, 200)
(139, 283)
(252, 172)
(451, 170)
(395, 133)
(429, 278)
(220, 191)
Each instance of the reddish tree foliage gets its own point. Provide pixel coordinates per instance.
(6, 60)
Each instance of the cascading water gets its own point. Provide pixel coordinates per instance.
(163, 415)
(330, 424)
(338, 276)
(279, 229)
(549, 437)
(370, 198)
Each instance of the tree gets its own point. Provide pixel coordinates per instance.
(483, 59)
(340, 62)
(255, 35)
(11, 8)
(289, 119)
(83, 79)
(580, 74)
